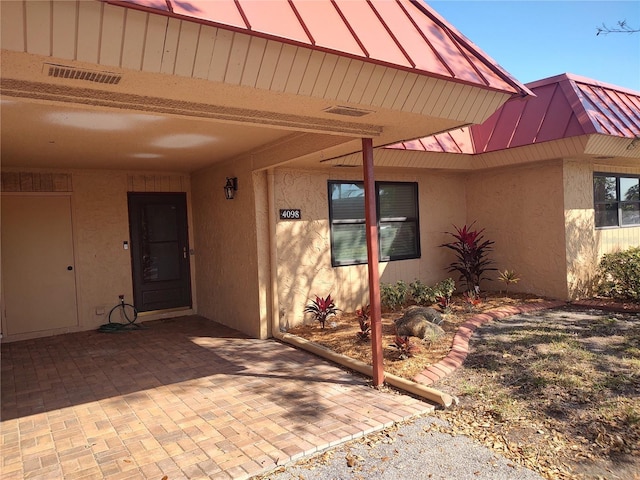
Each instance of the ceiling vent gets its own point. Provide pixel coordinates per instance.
(61, 71)
(347, 111)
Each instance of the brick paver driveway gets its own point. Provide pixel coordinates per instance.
(181, 398)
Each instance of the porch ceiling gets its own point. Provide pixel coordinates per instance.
(43, 134)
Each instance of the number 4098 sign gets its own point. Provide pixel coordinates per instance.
(290, 214)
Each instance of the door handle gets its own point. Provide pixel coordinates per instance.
(184, 252)
(70, 267)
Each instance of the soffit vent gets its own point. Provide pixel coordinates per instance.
(62, 71)
(347, 111)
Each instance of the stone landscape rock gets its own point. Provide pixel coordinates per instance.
(421, 322)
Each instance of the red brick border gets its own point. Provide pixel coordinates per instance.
(630, 307)
(460, 348)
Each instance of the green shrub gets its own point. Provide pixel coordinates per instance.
(421, 293)
(394, 296)
(445, 288)
(619, 274)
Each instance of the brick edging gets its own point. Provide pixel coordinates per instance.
(460, 348)
(627, 307)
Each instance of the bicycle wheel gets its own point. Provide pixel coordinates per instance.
(124, 313)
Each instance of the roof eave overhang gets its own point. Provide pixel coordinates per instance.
(593, 147)
(515, 90)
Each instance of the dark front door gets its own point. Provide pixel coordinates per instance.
(159, 250)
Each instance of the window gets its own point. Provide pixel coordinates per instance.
(616, 200)
(397, 217)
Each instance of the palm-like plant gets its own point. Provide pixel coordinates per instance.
(508, 277)
(322, 309)
(471, 251)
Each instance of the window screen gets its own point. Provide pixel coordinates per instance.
(397, 218)
(616, 200)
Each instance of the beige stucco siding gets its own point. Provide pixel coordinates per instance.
(100, 223)
(581, 235)
(304, 247)
(101, 226)
(226, 253)
(522, 211)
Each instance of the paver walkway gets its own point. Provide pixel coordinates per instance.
(183, 398)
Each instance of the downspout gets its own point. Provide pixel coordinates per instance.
(414, 388)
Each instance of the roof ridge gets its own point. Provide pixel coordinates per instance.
(581, 79)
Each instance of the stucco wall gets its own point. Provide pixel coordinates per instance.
(100, 226)
(226, 253)
(581, 235)
(304, 250)
(522, 210)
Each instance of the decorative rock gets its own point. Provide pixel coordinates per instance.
(421, 322)
(431, 314)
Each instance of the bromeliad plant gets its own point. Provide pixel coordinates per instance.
(322, 309)
(508, 277)
(445, 304)
(365, 322)
(406, 348)
(471, 251)
(472, 300)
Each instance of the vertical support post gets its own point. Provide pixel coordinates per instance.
(372, 255)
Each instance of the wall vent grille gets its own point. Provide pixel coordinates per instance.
(61, 71)
(347, 111)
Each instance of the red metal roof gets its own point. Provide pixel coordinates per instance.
(404, 34)
(564, 106)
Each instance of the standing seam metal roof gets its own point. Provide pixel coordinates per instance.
(402, 34)
(564, 106)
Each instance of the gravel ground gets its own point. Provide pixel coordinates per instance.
(408, 451)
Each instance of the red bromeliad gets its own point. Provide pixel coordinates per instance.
(406, 348)
(365, 323)
(322, 309)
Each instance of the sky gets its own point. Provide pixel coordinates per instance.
(537, 39)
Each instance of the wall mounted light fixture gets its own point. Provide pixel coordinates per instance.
(230, 188)
(634, 143)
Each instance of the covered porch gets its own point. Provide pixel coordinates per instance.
(106, 100)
